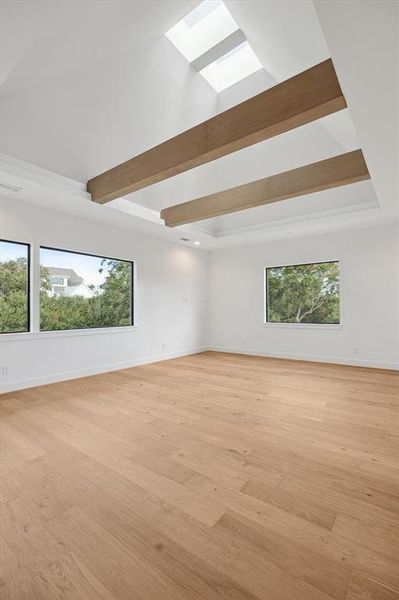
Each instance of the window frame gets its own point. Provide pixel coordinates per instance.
(56, 281)
(28, 287)
(294, 324)
(132, 323)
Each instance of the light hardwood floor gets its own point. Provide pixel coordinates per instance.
(208, 477)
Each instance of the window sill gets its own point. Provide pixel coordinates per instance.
(30, 335)
(304, 325)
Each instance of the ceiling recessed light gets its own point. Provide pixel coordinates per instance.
(197, 243)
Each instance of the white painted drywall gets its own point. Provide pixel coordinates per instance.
(171, 301)
(84, 121)
(188, 300)
(369, 333)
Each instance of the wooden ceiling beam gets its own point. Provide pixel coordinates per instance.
(323, 175)
(308, 96)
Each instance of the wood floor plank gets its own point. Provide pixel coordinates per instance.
(328, 576)
(267, 515)
(276, 496)
(68, 579)
(143, 530)
(373, 535)
(120, 570)
(203, 477)
(362, 587)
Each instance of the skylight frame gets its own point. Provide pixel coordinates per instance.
(236, 65)
(193, 39)
(226, 56)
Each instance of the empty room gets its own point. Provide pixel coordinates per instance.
(199, 300)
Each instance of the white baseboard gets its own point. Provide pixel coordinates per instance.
(21, 384)
(354, 362)
(13, 386)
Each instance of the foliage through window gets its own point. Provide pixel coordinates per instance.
(14, 287)
(303, 293)
(81, 291)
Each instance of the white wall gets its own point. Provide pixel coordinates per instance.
(369, 264)
(188, 300)
(171, 302)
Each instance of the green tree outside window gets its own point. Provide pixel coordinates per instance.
(303, 293)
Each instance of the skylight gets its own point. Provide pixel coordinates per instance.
(210, 39)
(232, 67)
(202, 29)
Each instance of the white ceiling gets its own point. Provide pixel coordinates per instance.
(45, 38)
(87, 85)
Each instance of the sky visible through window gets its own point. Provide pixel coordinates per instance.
(232, 67)
(204, 28)
(96, 291)
(201, 29)
(84, 266)
(11, 251)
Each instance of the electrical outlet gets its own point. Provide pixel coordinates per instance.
(4, 371)
(355, 350)
(163, 346)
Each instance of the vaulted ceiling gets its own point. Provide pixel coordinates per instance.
(88, 85)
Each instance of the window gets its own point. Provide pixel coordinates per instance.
(211, 41)
(303, 294)
(232, 67)
(14, 287)
(204, 27)
(96, 291)
(57, 280)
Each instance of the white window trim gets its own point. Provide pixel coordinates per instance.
(36, 334)
(303, 325)
(332, 326)
(27, 336)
